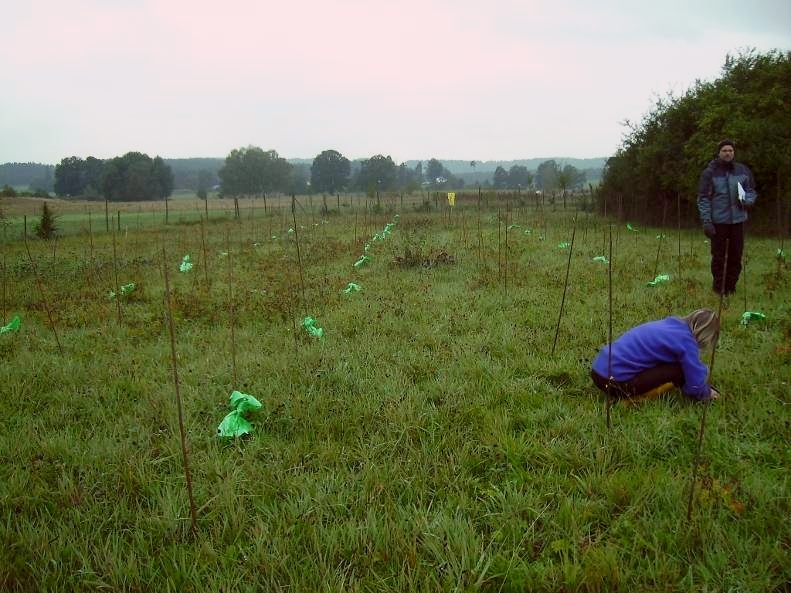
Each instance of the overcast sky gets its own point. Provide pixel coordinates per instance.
(412, 79)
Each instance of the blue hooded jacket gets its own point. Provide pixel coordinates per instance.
(718, 194)
(668, 340)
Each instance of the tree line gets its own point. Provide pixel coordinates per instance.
(657, 167)
(132, 177)
(252, 171)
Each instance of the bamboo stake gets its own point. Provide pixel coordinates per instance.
(231, 309)
(505, 256)
(296, 238)
(609, 333)
(702, 429)
(205, 257)
(117, 285)
(565, 284)
(176, 385)
(678, 217)
(43, 293)
(5, 283)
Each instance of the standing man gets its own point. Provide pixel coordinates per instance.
(726, 192)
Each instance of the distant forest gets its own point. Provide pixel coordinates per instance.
(191, 173)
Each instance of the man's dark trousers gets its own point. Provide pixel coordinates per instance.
(730, 239)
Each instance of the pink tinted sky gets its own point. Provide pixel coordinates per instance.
(415, 79)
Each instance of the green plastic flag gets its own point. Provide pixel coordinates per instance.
(185, 266)
(659, 279)
(780, 254)
(235, 424)
(13, 326)
(352, 287)
(363, 260)
(381, 236)
(630, 227)
(125, 290)
(749, 316)
(310, 326)
(601, 258)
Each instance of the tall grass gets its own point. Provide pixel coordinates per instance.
(430, 442)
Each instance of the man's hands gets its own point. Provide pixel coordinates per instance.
(709, 230)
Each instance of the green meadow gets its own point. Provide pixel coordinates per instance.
(442, 435)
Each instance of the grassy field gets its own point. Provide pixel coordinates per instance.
(443, 435)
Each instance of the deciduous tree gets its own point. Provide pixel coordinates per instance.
(330, 172)
(377, 174)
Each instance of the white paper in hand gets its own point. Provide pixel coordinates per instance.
(741, 191)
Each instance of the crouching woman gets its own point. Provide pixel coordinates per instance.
(653, 357)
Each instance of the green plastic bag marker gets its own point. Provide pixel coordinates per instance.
(659, 279)
(749, 316)
(125, 290)
(601, 258)
(363, 260)
(310, 326)
(235, 424)
(564, 245)
(352, 287)
(780, 254)
(513, 226)
(528, 231)
(660, 236)
(630, 227)
(13, 326)
(185, 266)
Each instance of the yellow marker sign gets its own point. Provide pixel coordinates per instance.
(452, 198)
